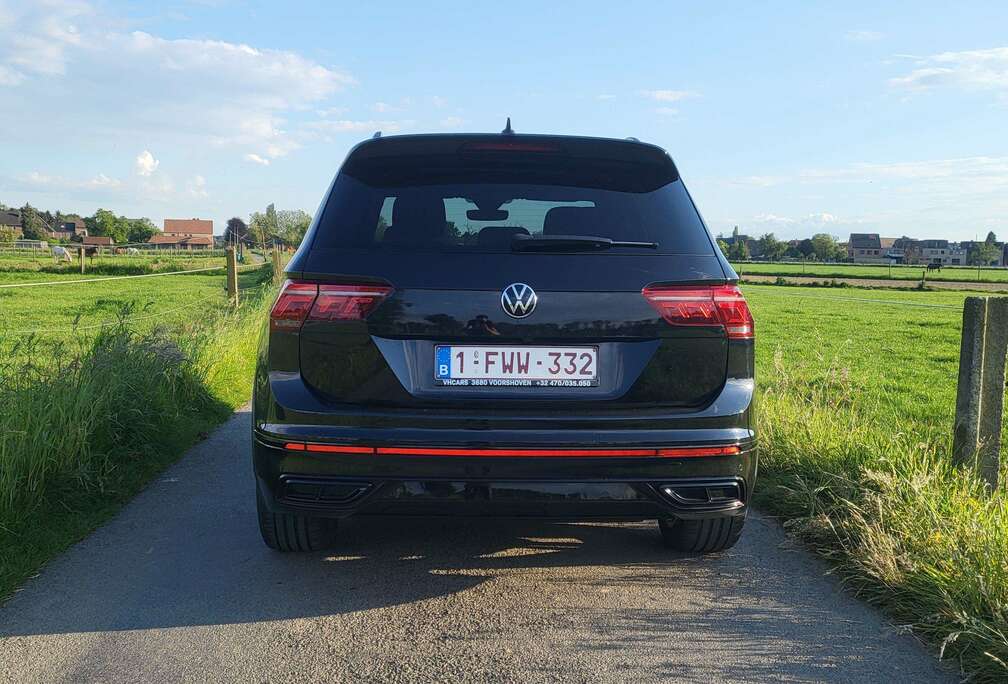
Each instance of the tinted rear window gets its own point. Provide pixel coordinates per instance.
(456, 204)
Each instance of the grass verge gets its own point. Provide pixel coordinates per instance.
(82, 431)
(855, 416)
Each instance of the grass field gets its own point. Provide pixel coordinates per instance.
(856, 404)
(857, 401)
(102, 385)
(950, 273)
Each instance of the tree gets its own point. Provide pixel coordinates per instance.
(723, 246)
(984, 253)
(739, 251)
(32, 227)
(236, 231)
(259, 229)
(105, 222)
(7, 234)
(140, 230)
(806, 248)
(771, 248)
(292, 224)
(826, 248)
(991, 238)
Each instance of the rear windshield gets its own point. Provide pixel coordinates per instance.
(483, 209)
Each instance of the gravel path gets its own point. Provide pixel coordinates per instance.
(179, 588)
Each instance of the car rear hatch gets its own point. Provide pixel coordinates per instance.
(402, 296)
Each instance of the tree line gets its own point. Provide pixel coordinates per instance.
(821, 246)
(270, 227)
(284, 227)
(825, 247)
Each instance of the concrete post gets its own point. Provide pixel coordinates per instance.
(82, 260)
(980, 394)
(232, 276)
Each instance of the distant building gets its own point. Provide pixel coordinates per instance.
(97, 240)
(188, 227)
(72, 228)
(11, 218)
(865, 248)
(185, 234)
(162, 241)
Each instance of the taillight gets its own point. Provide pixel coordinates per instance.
(299, 302)
(347, 302)
(293, 304)
(721, 305)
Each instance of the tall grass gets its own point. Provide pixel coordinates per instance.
(83, 429)
(908, 530)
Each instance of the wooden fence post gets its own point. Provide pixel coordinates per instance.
(82, 260)
(980, 394)
(232, 276)
(277, 268)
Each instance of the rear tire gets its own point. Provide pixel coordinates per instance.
(706, 535)
(288, 532)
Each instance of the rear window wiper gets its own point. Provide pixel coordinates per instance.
(569, 243)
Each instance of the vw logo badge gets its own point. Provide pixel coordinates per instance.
(518, 300)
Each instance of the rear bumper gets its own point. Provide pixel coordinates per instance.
(600, 487)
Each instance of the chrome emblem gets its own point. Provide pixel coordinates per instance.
(518, 300)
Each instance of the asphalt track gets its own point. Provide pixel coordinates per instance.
(179, 588)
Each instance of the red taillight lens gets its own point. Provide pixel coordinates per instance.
(293, 304)
(717, 305)
(299, 302)
(347, 302)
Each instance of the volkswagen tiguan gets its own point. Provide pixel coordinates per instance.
(506, 325)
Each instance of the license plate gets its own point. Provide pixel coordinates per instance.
(469, 366)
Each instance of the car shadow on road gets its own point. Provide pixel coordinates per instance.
(617, 589)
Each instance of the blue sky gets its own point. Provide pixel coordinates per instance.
(789, 117)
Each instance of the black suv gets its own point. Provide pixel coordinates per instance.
(509, 325)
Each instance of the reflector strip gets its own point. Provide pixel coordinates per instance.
(340, 449)
(533, 453)
(690, 452)
(669, 452)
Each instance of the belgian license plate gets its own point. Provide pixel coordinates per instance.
(471, 366)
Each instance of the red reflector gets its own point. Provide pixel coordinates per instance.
(340, 449)
(294, 446)
(721, 305)
(690, 452)
(509, 453)
(347, 302)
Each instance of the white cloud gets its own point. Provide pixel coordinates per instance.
(669, 95)
(438, 101)
(181, 91)
(863, 36)
(452, 122)
(146, 164)
(351, 126)
(196, 187)
(39, 180)
(256, 159)
(667, 111)
(969, 70)
(382, 107)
